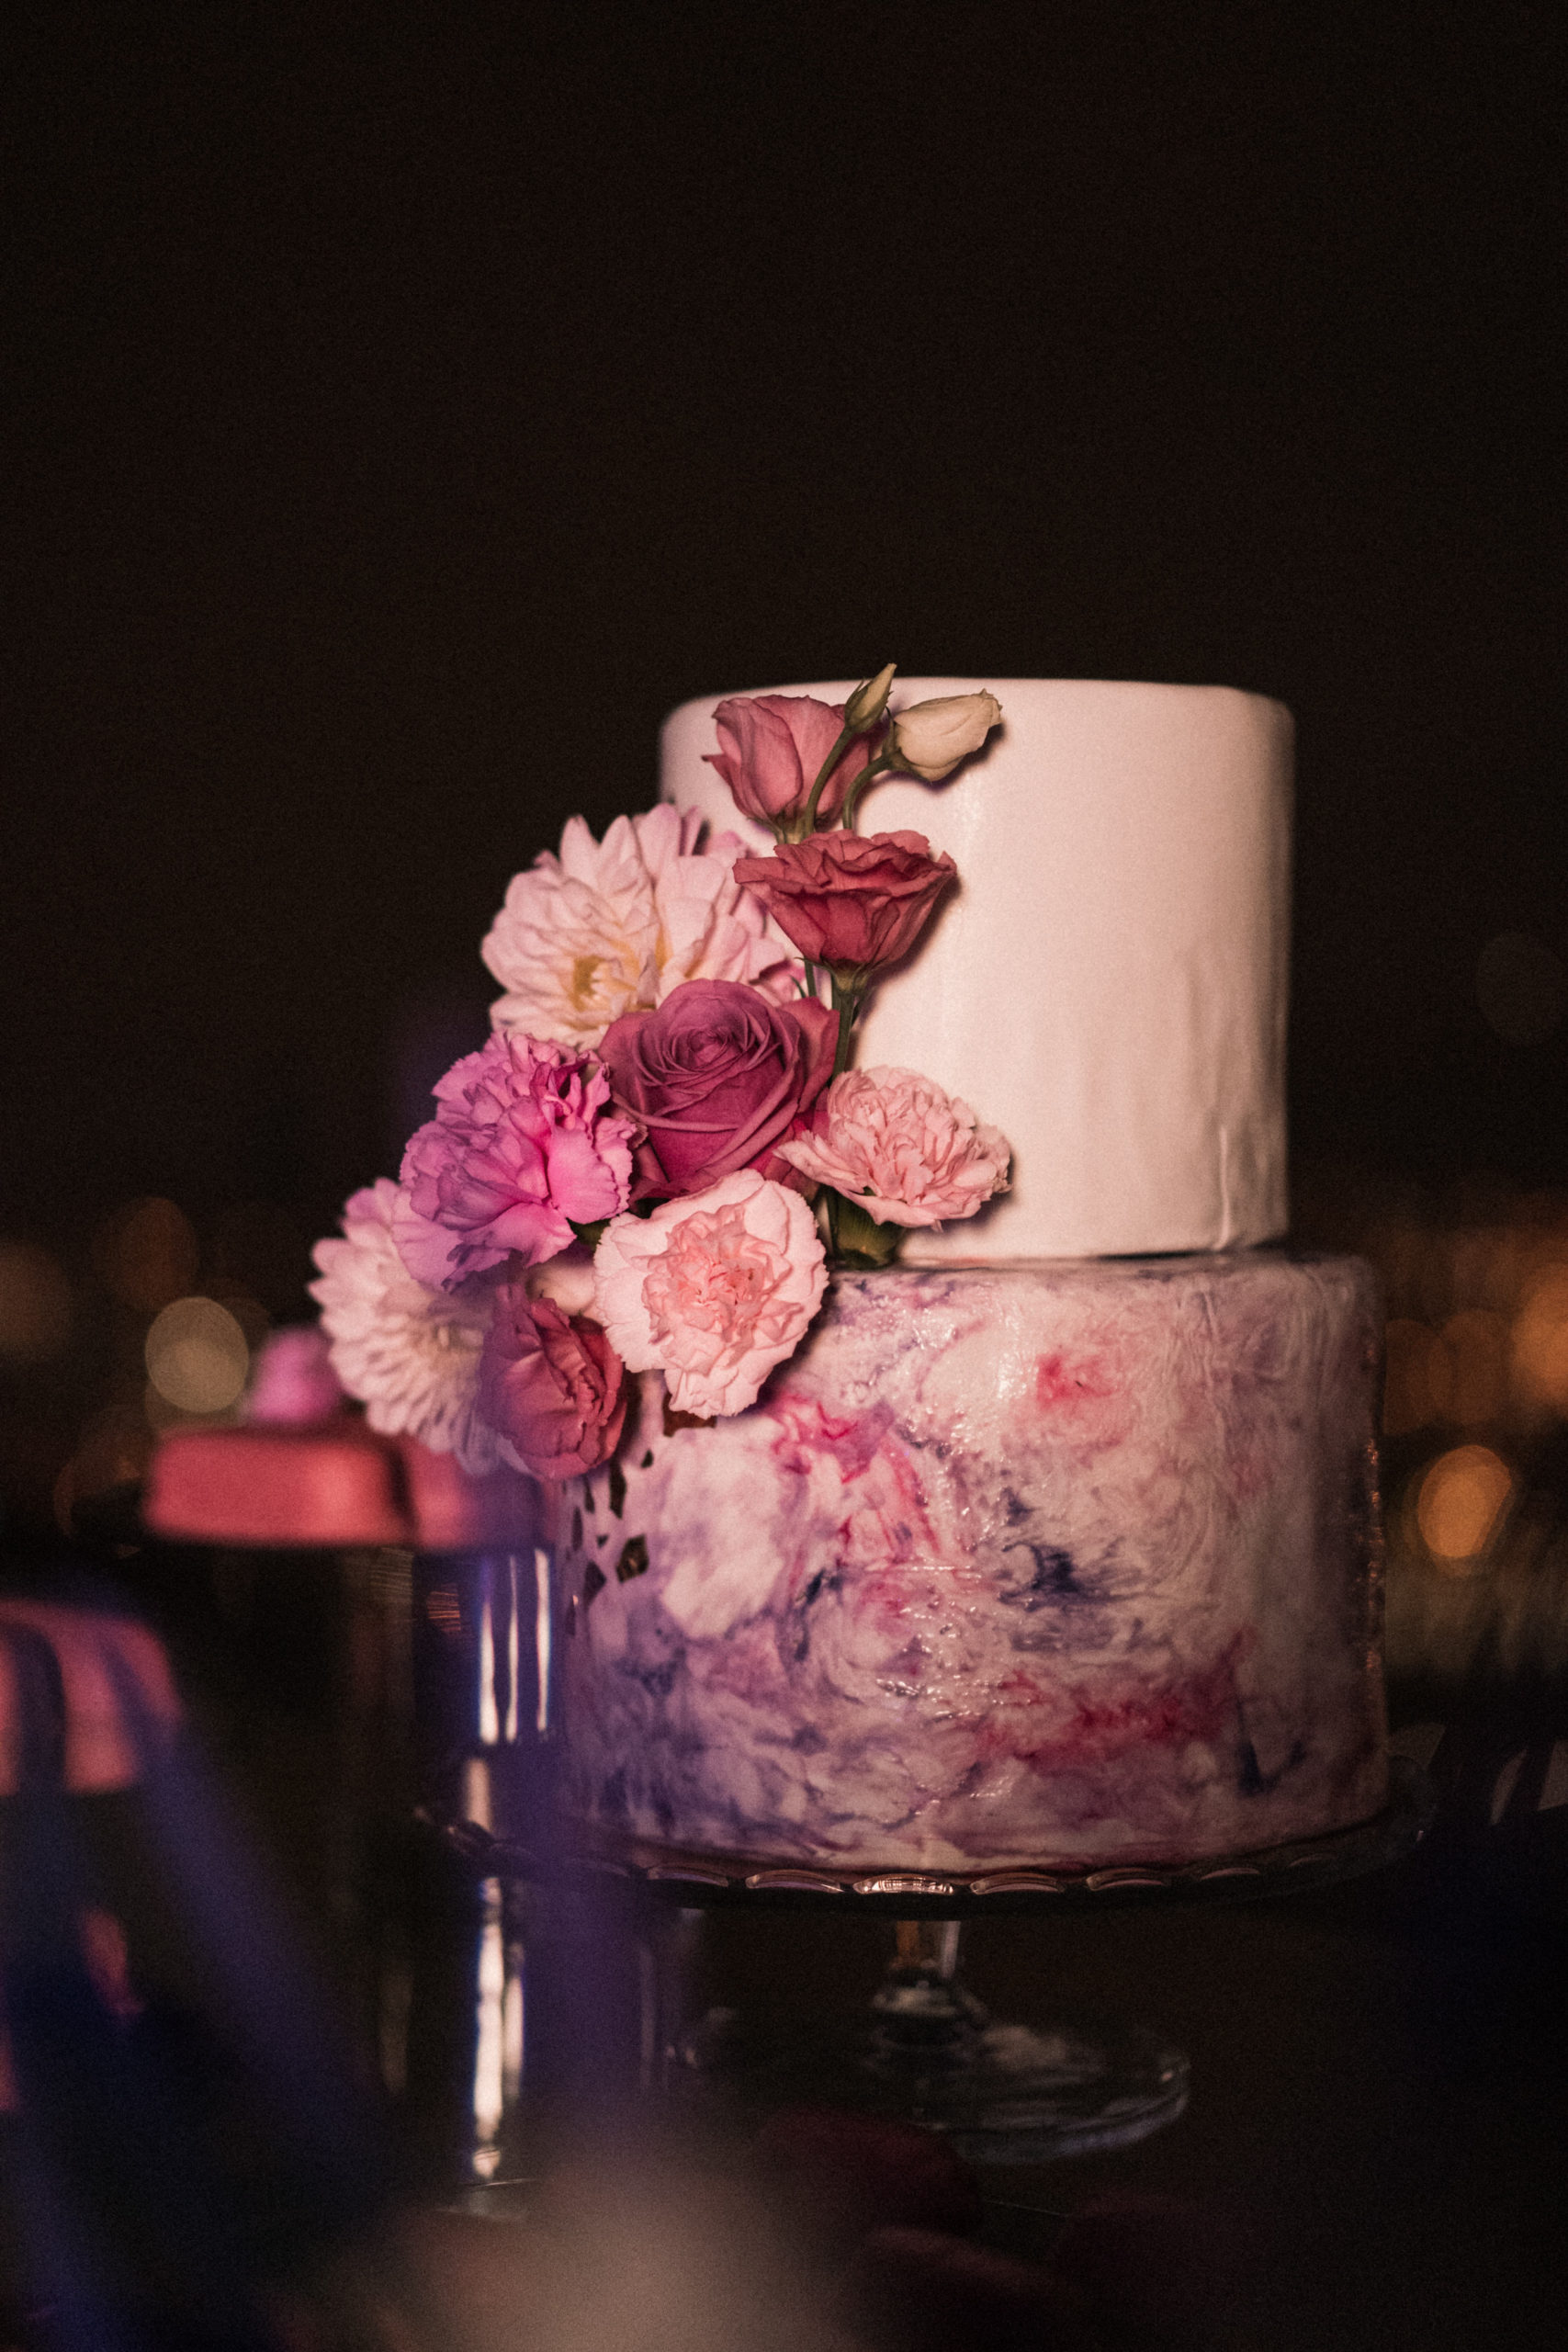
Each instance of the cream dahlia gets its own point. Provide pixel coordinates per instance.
(409, 1354)
(611, 927)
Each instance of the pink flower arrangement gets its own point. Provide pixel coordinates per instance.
(717, 1079)
(901, 1149)
(713, 1292)
(657, 1043)
(524, 1147)
(551, 1386)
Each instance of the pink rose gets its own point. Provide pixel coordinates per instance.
(718, 1076)
(712, 1291)
(551, 1386)
(523, 1147)
(850, 901)
(772, 750)
(902, 1149)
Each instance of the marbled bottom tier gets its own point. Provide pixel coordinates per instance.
(1065, 1562)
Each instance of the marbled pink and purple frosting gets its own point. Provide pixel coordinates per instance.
(1067, 1563)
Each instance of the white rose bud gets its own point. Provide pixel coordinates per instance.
(868, 702)
(930, 740)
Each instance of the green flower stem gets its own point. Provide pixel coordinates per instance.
(868, 775)
(846, 738)
(847, 1000)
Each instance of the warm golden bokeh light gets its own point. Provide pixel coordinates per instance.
(1461, 1502)
(147, 1254)
(1541, 1342)
(35, 1306)
(197, 1356)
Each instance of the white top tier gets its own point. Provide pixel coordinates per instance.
(1107, 982)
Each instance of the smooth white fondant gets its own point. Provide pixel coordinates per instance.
(1108, 983)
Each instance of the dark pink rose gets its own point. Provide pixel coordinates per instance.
(849, 900)
(718, 1076)
(771, 747)
(523, 1147)
(551, 1386)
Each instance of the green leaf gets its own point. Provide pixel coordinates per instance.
(859, 1241)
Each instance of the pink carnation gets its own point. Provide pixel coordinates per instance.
(901, 1149)
(714, 1291)
(551, 1386)
(523, 1147)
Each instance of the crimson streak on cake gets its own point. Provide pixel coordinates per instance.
(1065, 1563)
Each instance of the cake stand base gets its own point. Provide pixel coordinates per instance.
(923, 2051)
(927, 2052)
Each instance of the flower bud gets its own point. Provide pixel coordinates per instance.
(868, 702)
(931, 740)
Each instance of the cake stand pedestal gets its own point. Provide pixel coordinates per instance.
(925, 2050)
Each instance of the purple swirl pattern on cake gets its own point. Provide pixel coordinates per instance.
(1069, 1562)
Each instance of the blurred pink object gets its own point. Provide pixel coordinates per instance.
(103, 1661)
(323, 1488)
(294, 1381)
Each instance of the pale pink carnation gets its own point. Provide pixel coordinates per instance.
(901, 1149)
(523, 1147)
(409, 1354)
(611, 927)
(712, 1290)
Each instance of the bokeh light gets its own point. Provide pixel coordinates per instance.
(147, 1254)
(1541, 1342)
(197, 1356)
(1459, 1504)
(1521, 987)
(35, 1312)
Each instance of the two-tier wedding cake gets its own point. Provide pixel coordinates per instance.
(1057, 1542)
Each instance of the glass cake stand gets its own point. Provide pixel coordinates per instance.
(582, 1956)
(925, 2050)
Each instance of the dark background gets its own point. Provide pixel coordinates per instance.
(407, 406)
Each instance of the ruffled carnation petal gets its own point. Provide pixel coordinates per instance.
(552, 1387)
(713, 1291)
(903, 1149)
(524, 1146)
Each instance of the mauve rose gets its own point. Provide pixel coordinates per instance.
(770, 749)
(850, 901)
(719, 1076)
(551, 1386)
